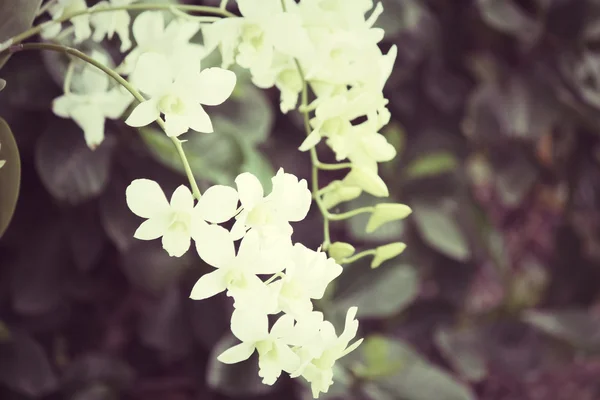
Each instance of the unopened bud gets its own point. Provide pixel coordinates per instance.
(387, 212)
(340, 250)
(368, 181)
(387, 252)
(339, 193)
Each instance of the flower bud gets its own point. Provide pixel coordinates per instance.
(387, 212)
(387, 252)
(340, 250)
(368, 181)
(340, 194)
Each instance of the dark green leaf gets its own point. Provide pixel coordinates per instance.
(29, 86)
(440, 230)
(70, 171)
(97, 368)
(235, 380)
(10, 175)
(507, 17)
(37, 284)
(164, 327)
(432, 164)
(416, 379)
(86, 236)
(25, 368)
(258, 164)
(212, 156)
(580, 328)
(247, 115)
(149, 266)
(395, 285)
(17, 17)
(515, 176)
(463, 349)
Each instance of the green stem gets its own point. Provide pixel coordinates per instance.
(121, 81)
(332, 167)
(69, 77)
(358, 256)
(315, 162)
(350, 214)
(131, 7)
(186, 165)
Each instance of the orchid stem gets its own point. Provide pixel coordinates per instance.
(121, 81)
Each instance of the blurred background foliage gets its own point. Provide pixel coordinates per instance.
(496, 118)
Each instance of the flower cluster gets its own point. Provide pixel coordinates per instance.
(300, 342)
(330, 45)
(164, 66)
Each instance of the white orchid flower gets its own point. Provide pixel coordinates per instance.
(178, 96)
(172, 41)
(178, 220)
(274, 352)
(319, 370)
(106, 24)
(234, 273)
(270, 215)
(305, 278)
(94, 104)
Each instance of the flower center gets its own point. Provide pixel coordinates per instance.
(260, 215)
(171, 104)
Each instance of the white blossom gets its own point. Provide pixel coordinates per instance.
(234, 273)
(178, 220)
(178, 96)
(270, 215)
(106, 24)
(81, 23)
(95, 102)
(318, 371)
(274, 352)
(172, 41)
(305, 278)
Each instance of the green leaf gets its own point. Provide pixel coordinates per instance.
(217, 157)
(69, 170)
(431, 165)
(378, 361)
(10, 175)
(17, 17)
(579, 328)
(441, 231)
(416, 379)
(26, 368)
(463, 349)
(247, 114)
(395, 287)
(258, 164)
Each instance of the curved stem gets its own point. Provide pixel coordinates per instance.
(186, 164)
(358, 256)
(131, 7)
(69, 77)
(315, 162)
(350, 214)
(121, 81)
(333, 167)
